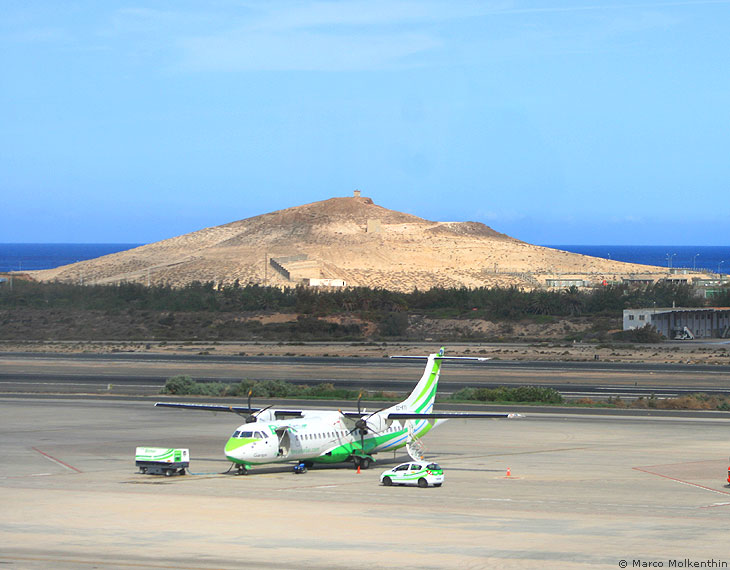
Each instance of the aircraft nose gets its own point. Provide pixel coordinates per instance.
(234, 448)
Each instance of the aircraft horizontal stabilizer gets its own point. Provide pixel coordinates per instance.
(450, 415)
(479, 358)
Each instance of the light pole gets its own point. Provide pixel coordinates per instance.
(718, 266)
(694, 262)
(669, 260)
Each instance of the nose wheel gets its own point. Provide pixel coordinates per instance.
(241, 470)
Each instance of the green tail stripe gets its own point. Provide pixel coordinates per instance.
(428, 400)
(429, 385)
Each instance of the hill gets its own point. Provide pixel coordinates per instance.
(349, 240)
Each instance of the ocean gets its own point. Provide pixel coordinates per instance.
(715, 258)
(29, 256)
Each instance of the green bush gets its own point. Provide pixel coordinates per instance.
(186, 386)
(643, 334)
(180, 385)
(506, 394)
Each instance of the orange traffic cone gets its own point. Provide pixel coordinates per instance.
(509, 473)
(358, 470)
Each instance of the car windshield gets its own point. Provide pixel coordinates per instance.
(433, 467)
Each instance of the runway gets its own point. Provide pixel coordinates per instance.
(146, 374)
(584, 491)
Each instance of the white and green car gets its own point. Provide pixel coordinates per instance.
(421, 473)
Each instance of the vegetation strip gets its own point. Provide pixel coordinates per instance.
(185, 386)
(208, 311)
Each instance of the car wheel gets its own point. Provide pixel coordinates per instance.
(387, 481)
(422, 483)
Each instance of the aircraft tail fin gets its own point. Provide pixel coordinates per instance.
(423, 396)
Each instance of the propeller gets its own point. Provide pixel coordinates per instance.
(361, 425)
(252, 417)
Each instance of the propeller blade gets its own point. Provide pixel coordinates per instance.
(253, 417)
(261, 410)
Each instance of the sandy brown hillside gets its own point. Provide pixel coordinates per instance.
(350, 239)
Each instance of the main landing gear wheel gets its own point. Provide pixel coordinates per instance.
(361, 462)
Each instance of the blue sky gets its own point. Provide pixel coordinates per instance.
(555, 122)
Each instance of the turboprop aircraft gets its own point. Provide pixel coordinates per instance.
(277, 435)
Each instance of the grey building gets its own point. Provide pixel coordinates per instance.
(683, 323)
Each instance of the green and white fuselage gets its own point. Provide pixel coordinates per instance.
(319, 437)
(275, 435)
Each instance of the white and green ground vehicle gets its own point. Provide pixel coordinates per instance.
(162, 460)
(421, 473)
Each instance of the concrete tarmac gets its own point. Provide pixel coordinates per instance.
(584, 491)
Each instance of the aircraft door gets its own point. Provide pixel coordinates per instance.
(284, 438)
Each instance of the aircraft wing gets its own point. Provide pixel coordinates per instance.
(210, 407)
(241, 410)
(354, 415)
(449, 415)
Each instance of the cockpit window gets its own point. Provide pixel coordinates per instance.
(248, 434)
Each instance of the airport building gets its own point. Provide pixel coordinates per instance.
(682, 323)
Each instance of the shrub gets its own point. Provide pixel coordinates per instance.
(185, 386)
(505, 394)
(643, 334)
(180, 385)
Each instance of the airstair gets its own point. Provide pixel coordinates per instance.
(414, 445)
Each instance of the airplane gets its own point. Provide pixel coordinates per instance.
(277, 435)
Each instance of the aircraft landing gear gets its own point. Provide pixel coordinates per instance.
(241, 470)
(361, 462)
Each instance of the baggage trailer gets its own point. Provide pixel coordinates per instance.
(162, 460)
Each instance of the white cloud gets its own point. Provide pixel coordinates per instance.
(326, 36)
(245, 51)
